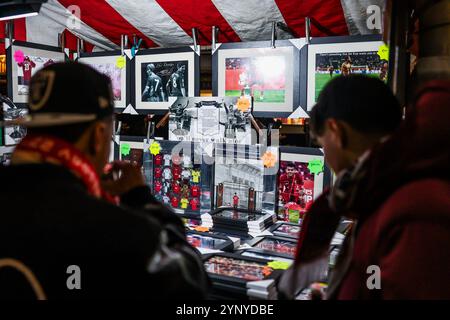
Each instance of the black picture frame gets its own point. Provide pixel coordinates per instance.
(276, 226)
(85, 57)
(234, 281)
(54, 53)
(170, 55)
(266, 253)
(227, 246)
(310, 64)
(298, 68)
(137, 141)
(304, 154)
(257, 240)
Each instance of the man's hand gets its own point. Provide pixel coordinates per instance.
(126, 177)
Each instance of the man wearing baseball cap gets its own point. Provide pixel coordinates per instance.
(81, 236)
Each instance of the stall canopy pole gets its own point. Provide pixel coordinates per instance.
(80, 46)
(194, 37)
(61, 41)
(9, 33)
(122, 44)
(274, 34)
(214, 37)
(307, 29)
(398, 68)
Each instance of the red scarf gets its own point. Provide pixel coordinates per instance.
(54, 150)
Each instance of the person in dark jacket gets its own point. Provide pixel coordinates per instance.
(80, 235)
(352, 116)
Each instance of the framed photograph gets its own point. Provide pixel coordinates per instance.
(267, 255)
(211, 119)
(107, 64)
(131, 149)
(12, 134)
(286, 230)
(209, 241)
(270, 75)
(340, 56)
(302, 177)
(238, 270)
(163, 75)
(23, 60)
(241, 178)
(5, 155)
(285, 247)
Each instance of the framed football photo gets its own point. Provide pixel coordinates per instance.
(302, 177)
(270, 75)
(23, 60)
(163, 75)
(341, 56)
(114, 67)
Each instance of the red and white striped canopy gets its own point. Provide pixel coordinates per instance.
(167, 23)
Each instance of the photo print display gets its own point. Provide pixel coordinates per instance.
(211, 119)
(301, 179)
(327, 61)
(241, 179)
(177, 176)
(13, 134)
(114, 70)
(269, 75)
(160, 78)
(24, 60)
(131, 151)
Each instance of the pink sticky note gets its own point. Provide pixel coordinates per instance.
(19, 56)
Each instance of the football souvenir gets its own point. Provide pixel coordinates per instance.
(185, 191)
(284, 246)
(166, 199)
(176, 188)
(167, 159)
(158, 173)
(174, 202)
(194, 204)
(158, 186)
(167, 174)
(184, 203)
(158, 160)
(195, 176)
(195, 191)
(176, 172)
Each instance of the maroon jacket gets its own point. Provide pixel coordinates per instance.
(404, 223)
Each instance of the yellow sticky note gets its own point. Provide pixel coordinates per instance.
(279, 265)
(121, 62)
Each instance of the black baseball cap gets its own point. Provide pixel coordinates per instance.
(68, 93)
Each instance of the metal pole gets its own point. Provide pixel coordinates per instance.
(61, 41)
(9, 34)
(194, 37)
(307, 29)
(122, 44)
(214, 38)
(80, 46)
(274, 34)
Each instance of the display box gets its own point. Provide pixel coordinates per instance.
(286, 230)
(131, 149)
(211, 119)
(285, 247)
(236, 270)
(209, 241)
(117, 68)
(302, 177)
(340, 56)
(245, 177)
(178, 176)
(267, 255)
(24, 59)
(162, 75)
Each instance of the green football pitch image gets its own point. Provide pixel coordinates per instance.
(270, 96)
(322, 79)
